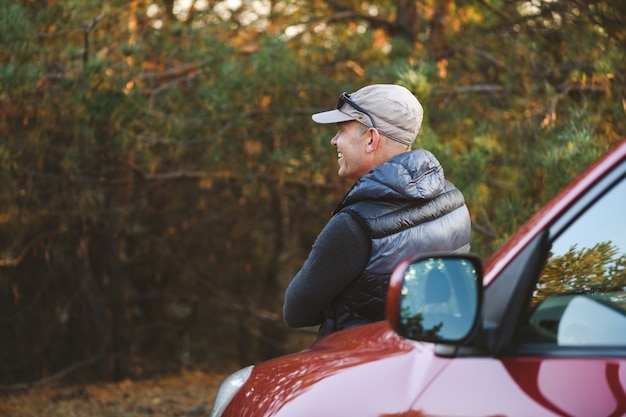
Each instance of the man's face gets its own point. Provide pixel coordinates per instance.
(353, 158)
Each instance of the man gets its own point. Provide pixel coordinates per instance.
(399, 206)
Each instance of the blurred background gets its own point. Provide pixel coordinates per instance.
(162, 180)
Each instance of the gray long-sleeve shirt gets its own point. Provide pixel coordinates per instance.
(339, 254)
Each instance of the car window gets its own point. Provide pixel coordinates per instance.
(580, 298)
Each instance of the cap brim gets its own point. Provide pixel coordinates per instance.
(331, 116)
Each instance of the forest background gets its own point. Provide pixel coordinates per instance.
(162, 180)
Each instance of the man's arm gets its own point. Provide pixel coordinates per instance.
(339, 254)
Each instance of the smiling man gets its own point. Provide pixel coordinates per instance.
(399, 206)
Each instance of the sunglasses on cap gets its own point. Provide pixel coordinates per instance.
(344, 98)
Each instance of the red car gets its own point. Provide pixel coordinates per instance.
(541, 332)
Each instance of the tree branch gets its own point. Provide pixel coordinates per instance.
(564, 91)
(476, 88)
(91, 25)
(374, 21)
(28, 246)
(54, 377)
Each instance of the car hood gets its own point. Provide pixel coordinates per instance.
(366, 370)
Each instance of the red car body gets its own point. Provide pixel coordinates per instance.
(372, 371)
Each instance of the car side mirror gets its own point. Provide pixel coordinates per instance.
(436, 298)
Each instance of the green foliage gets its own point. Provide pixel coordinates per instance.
(17, 33)
(592, 270)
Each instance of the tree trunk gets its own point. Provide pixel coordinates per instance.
(438, 44)
(95, 299)
(121, 332)
(407, 24)
(116, 272)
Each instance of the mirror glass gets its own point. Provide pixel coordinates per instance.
(439, 299)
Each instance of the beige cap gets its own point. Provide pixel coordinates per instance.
(390, 108)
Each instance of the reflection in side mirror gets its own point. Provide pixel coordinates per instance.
(437, 298)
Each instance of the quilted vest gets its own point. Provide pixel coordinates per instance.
(398, 228)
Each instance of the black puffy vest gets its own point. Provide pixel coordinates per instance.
(397, 229)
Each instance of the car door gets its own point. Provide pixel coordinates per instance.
(573, 335)
(567, 353)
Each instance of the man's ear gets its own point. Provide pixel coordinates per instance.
(373, 140)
